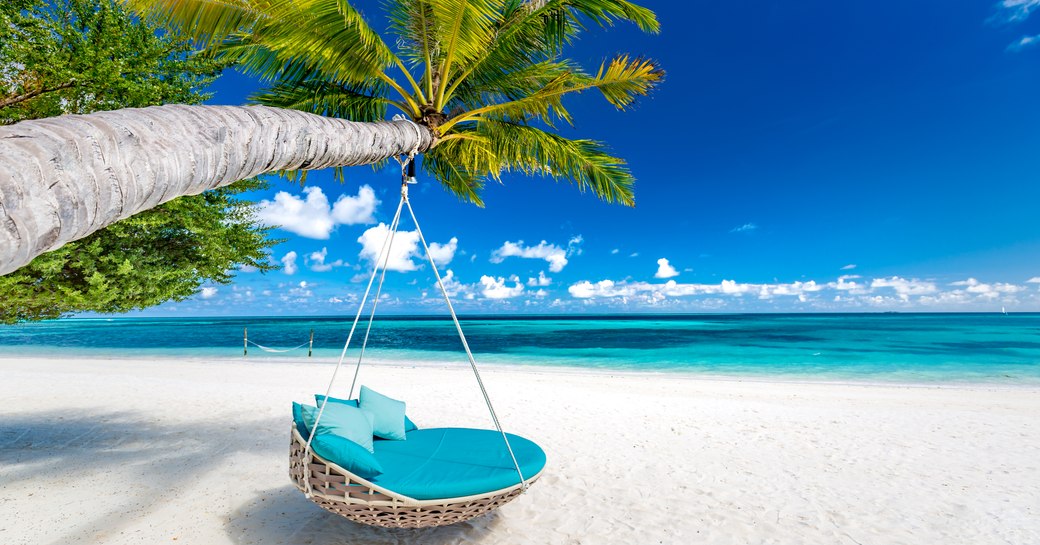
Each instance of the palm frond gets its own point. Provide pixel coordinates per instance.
(586, 163)
(499, 86)
(207, 21)
(356, 103)
(621, 82)
(447, 163)
(533, 31)
(463, 28)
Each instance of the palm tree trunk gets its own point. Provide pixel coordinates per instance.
(63, 178)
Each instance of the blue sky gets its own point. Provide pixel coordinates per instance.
(800, 157)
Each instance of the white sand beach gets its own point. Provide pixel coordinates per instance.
(167, 451)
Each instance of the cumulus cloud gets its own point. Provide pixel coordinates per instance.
(541, 281)
(988, 291)
(311, 215)
(1033, 280)
(208, 292)
(405, 248)
(496, 288)
(664, 269)
(847, 291)
(614, 251)
(442, 254)
(746, 228)
(316, 261)
(554, 255)
(905, 288)
(849, 267)
(289, 263)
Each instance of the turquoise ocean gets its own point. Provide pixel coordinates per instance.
(907, 348)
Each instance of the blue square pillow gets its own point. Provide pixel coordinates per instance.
(388, 413)
(408, 424)
(341, 420)
(346, 454)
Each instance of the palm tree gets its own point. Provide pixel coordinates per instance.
(482, 80)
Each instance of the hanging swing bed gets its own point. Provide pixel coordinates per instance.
(433, 477)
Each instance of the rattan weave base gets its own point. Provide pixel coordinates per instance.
(343, 493)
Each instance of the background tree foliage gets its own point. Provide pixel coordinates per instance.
(78, 56)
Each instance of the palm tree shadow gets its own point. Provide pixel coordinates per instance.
(154, 456)
(284, 515)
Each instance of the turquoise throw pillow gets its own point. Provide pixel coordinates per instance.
(297, 416)
(346, 454)
(408, 424)
(343, 421)
(352, 402)
(388, 413)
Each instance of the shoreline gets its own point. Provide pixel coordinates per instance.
(1030, 384)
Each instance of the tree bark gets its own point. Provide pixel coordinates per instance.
(65, 177)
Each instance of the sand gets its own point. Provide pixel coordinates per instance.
(167, 451)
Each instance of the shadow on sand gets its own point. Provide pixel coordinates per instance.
(43, 451)
(283, 516)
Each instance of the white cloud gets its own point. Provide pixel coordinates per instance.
(554, 255)
(1033, 280)
(316, 261)
(614, 251)
(405, 248)
(356, 210)
(988, 291)
(574, 245)
(905, 288)
(312, 216)
(496, 288)
(289, 263)
(634, 254)
(301, 290)
(442, 254)
(849, 267)
(664, 270)
(208, 292)
(1014, 11)
(1023, 42)
(541, 281)
(746, 228)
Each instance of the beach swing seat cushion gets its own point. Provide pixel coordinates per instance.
(435, 477)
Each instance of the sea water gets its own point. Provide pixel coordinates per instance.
(911, 348)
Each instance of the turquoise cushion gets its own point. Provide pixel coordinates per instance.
(297, 416)
(441, 463)
(388, 413)
(346, 454)
(408, 424)
(342, 420)
(352, 402)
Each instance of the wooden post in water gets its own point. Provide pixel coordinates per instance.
(245, 341)
(310, 347)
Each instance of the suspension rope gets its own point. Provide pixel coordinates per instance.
(277, 350)
(384, 256)
(343, 354)
(465, 345)
(375, 303)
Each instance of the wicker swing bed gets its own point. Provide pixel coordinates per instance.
(340, 491)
